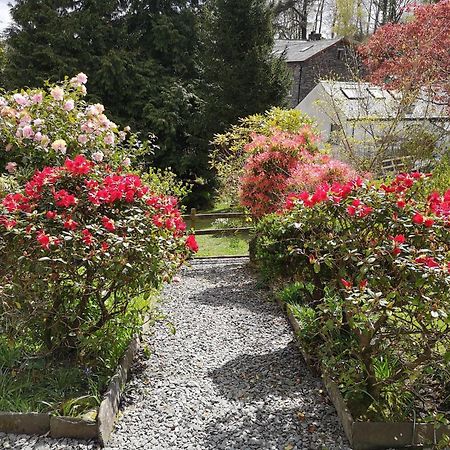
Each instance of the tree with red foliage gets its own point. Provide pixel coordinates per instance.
(414, 55)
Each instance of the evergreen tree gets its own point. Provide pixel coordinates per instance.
(241, 74)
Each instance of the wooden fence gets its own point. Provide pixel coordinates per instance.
(194, 216)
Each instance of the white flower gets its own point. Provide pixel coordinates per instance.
(98, 156)
(45, 140)
(60, 146)
(126, 162)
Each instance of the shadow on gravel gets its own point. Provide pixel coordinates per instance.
(259, 429)
(254, 377)
(237, 287)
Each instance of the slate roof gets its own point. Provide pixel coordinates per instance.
(299, 50)
(358, 100)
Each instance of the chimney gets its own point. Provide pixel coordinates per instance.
(314, 36)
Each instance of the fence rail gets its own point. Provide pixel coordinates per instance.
(193, 217)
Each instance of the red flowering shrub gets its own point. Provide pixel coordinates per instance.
(282, 163)
(373, 266)
(77, 244)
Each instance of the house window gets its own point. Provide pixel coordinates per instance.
(340, 53)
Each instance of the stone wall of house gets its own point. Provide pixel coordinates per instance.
(333, 62)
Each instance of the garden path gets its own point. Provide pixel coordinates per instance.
(231, 377)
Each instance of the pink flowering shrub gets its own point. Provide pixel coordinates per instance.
(372, 264)
(77, 244)
(321, 169)
(40, 127)
(282, 163)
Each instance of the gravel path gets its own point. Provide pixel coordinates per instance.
(230, 377)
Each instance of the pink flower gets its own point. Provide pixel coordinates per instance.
(37, 98)
(126, 162)
(20, 99)
(79, 79)
(109, 139)
(27, 132)
(37, 137)
(69, 105)
(82, 78)
(57, 93)
(11, 167)
(98, 156)
(82, 139)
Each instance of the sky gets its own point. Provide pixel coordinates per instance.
(4, 14)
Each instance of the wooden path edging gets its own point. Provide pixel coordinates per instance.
(370, 435)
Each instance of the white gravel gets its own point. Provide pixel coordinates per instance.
(230, 377)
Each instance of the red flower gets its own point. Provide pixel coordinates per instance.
(156, 219)
(365, 211)
(351, 210)
(399, 239)
(401, 203)
(418, 218)
(104, 246)
(347, 284)
(87, 236)
(43, 239)
(64, 199)
(7, 223)
(51, 215)
(396, 251)
(78, 166)
(427, 260)
(108, 223)
(70, 224)
(362, 284)
(191, 243)
(429, 223)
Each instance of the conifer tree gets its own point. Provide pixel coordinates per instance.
(242, 76)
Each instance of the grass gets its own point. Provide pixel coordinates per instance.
(32, 380)
(223, 245)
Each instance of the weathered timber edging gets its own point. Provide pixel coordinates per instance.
(77, 427)
(370, 435)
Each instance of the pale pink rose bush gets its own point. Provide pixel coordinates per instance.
(39, 127)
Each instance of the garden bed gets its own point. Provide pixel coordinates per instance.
(98, 428)
(370, 435)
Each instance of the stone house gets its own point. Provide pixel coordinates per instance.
(315, 59)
